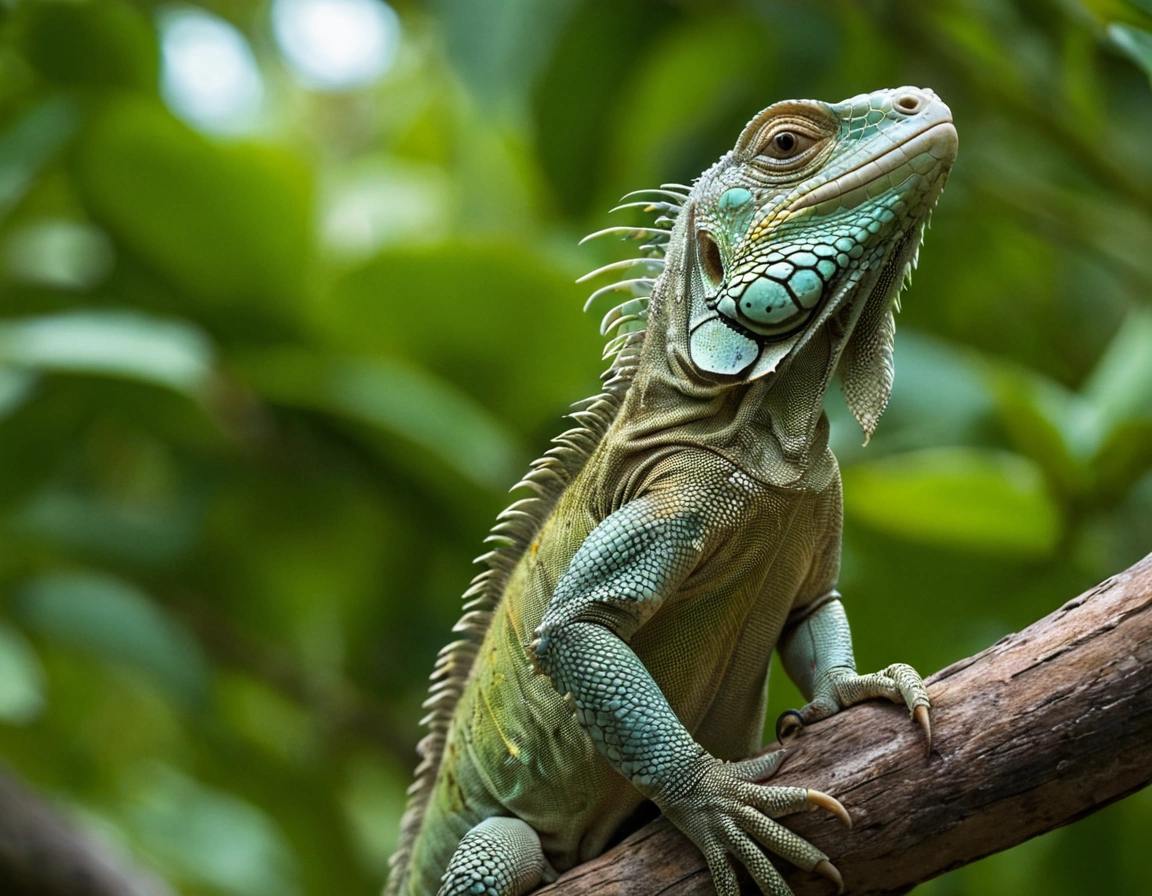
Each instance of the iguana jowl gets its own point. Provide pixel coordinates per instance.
(616, 648)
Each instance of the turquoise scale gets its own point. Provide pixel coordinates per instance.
(767, 301)
(786, 292)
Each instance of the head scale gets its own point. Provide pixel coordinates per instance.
(811, 225)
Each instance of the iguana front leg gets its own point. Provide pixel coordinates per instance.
(817, 656)
(624, 570)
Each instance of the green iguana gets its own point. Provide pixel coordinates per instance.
(616, 648)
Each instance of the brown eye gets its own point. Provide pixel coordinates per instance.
(787, 145)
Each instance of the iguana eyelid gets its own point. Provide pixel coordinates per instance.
(804, 119)
(799, 154)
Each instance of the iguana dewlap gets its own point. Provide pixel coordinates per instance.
(616, 648)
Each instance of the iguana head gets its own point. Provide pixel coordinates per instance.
(808, 227)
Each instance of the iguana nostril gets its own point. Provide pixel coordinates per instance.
(909, 103)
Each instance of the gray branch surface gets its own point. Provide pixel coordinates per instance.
(1042, 728)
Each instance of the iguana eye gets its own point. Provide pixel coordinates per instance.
(787, 144)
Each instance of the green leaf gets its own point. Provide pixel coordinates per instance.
(370, 800)
(1133, 42)
(572, 126)
(106, 44)
(399, 399)
(143, 532)
(265, 717)
(230, 226)
(110, 343)
(518, 35)
(966, 499)
(117, 622)
(1124, 457)
(499, 319)
(1046, 423)
(58, 253)
(27, 146)
(21, 678)
(1120, 387)
(429, 413)
(16, 387)
(708, 65)
(210, 836)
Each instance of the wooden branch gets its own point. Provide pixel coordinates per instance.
(42, 855)
(1042, 728)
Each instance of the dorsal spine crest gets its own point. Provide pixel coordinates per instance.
(519, 524)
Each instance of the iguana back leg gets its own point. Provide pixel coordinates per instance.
(498, 857)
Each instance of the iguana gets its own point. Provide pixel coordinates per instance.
(616, 648)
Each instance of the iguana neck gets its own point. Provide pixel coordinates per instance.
(774, 427)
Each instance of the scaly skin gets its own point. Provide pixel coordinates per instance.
(624, 653)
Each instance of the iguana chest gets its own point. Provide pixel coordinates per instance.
(708, 648)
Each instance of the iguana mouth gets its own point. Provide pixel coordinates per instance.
(938, 141)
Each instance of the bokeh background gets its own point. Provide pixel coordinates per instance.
(287, 303)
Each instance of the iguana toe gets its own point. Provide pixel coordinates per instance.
(759, 768)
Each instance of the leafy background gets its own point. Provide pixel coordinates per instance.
(269, 361)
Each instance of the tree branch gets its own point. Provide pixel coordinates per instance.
(1042, 728)
(41, 855)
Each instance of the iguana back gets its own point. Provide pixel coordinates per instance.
(514, 532)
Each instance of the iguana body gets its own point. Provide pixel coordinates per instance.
(617, 648)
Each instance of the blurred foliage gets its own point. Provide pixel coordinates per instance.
(261, 392)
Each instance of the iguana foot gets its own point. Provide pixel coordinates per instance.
(759, 768)
(842, 688)
(730, 819)
(498, 857)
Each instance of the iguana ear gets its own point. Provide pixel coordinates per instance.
(866, 369)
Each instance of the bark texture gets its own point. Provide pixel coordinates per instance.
(1042, 728)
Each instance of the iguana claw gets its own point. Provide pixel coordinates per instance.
(829, 871)
(833, 805)
(789, 723)
(920, 716)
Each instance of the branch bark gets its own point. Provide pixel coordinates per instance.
(1042, 728)
(42, 855)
